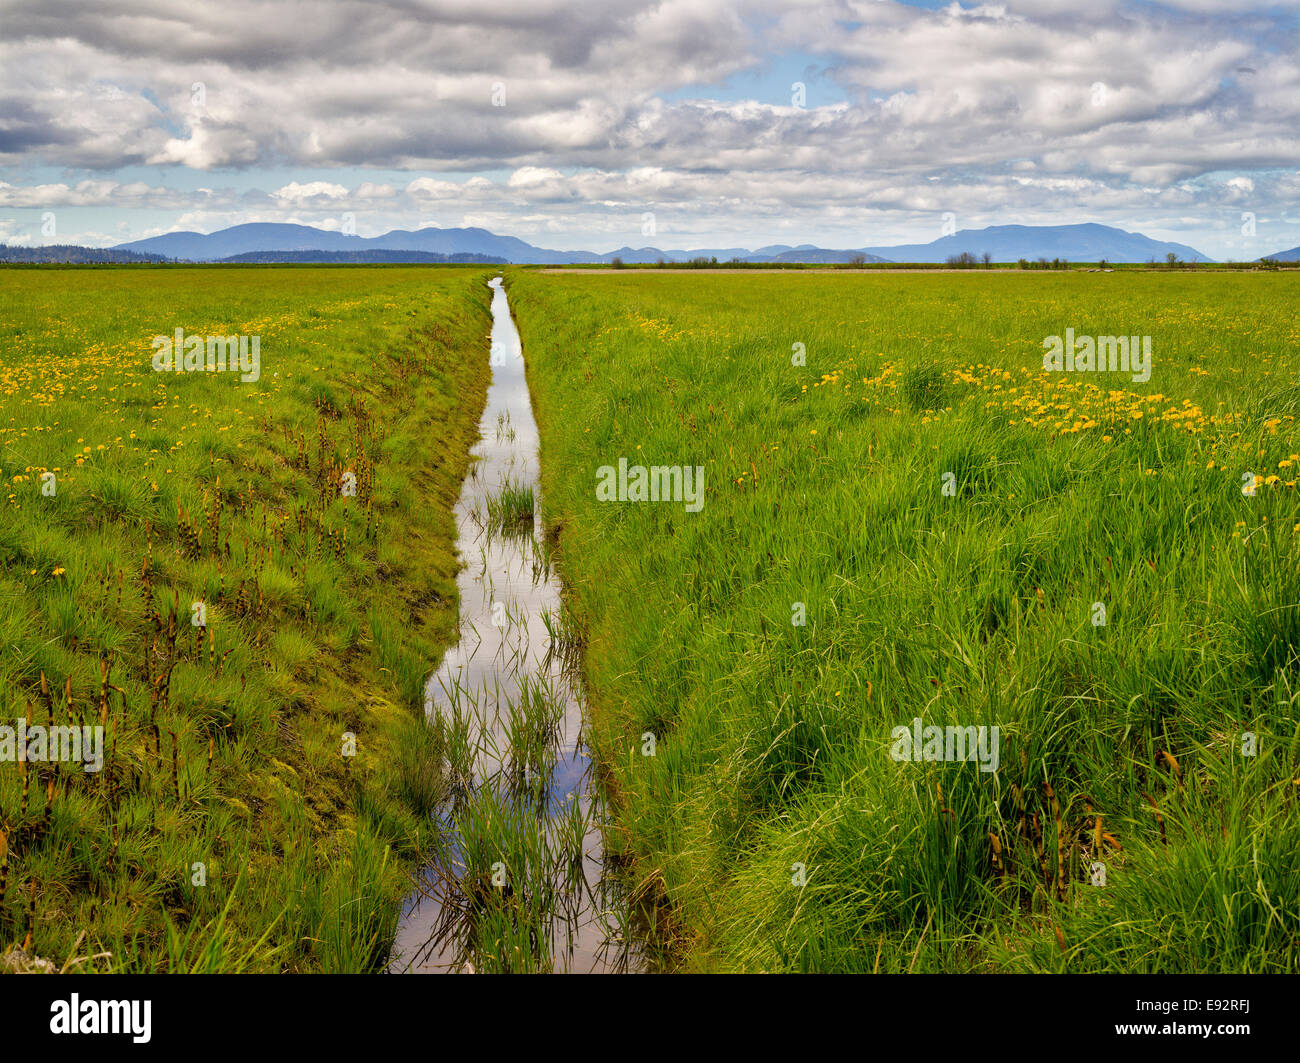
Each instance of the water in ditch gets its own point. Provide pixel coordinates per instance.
(519, 879)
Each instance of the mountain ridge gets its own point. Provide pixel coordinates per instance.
(1087, 241)
(1292, 255)
(1084, 242)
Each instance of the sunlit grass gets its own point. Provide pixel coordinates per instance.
(832, 589)
(269, 774)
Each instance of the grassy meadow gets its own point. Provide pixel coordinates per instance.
(921, 522)
(904, 518)
(234, 824)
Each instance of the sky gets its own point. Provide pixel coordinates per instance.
(679, 124)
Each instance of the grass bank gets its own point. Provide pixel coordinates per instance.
(906, 518)
(244, 582)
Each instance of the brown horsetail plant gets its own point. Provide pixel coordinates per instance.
(1172, 761)
(176, 778)
(31, 916)
(4, 867)
(49, 804)
(1160, 820)
(1060, 840)
(27, 785)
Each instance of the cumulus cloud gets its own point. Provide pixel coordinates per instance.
(595, 112)
(316, 193)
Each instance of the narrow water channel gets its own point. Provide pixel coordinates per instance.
(518, 881)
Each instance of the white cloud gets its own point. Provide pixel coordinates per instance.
(1020, 108)
(313, 193)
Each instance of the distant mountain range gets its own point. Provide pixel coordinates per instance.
(275, 237)
(1077, 243)
(72, 253)
(274, 242)
(369, 255)
(1080, 243)
(773, 253)
(1284, 256)
(1004, 243)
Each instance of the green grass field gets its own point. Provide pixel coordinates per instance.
(903, 518)
(1093, 582)
(228, 828)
